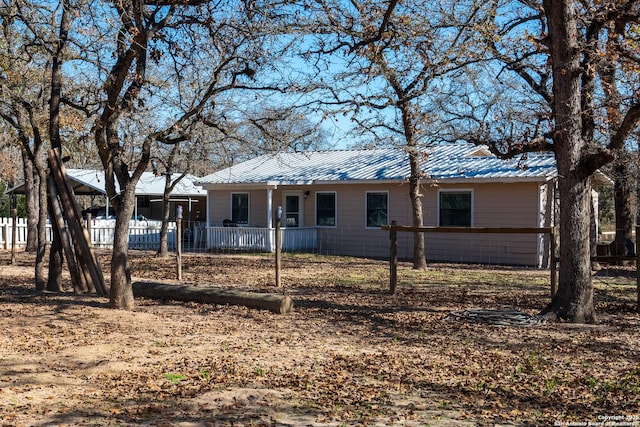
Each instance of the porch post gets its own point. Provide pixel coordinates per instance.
(207, 215)
(270, 217)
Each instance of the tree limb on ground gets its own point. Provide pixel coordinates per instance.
(280, 304)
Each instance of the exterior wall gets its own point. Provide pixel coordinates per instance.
(351, 236)
(494, 205)
(219, 207)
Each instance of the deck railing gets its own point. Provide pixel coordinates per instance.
(239, 238)
(145, 235)
(260, 239)
(298, 239)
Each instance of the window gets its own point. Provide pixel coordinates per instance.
(143, 201)
(292, 211)
(240, 208)
(455, 208)
(326, 209)
(377, 209)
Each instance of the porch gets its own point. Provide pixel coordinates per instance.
(257, 239)
(145, 235)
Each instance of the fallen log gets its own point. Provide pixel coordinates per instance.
(280, 304)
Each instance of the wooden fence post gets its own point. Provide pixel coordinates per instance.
(278, 246)
(179, 241)
(393, 258)
(14, 234)
(552, 260)
(637, 264)
(5, 235)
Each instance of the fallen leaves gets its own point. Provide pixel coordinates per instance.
(350, 354)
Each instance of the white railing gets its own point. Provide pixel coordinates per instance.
(297, 239)
(260, 239)
(145, 238)
(146, 235)
(142, 234)
(239, 238)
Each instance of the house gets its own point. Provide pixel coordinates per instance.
(334, 202)
(90, 183)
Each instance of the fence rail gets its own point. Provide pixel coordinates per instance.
(393, 250)
(553, 257)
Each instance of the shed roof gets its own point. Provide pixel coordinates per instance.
(452, 162)
(91, 182)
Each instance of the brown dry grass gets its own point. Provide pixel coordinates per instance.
(350, 354)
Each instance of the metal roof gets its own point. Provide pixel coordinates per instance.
(91, 182)
(465, 162)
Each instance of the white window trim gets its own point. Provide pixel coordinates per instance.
(300, 195)
(366, 193)
(233, 193)
(335, 208)
(458, 190)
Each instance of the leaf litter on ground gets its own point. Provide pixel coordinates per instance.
(350, 354)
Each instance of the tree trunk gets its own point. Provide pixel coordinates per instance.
(622, 166)
(408, 125)
(419, 256)
(163, 250)
(40, 273)
(31, 202)
(624, 209)
(54, 281)
(121, 294)
(574, 298)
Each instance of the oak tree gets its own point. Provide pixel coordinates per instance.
(554, 49)
(389, 61)
(175, 60)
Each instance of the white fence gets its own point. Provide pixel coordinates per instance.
(142, 234)
(258, 239)
(145, 235)
(6, 232)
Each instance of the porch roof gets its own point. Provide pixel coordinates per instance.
(91, 182)
(452, 162)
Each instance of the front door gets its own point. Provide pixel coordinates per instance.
(293, 210)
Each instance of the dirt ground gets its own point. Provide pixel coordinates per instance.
(350, 353)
